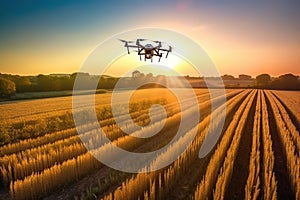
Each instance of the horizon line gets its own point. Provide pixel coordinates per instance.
(116, 76)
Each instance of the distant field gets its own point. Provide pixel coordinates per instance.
(39, 95)
(257, 157)
(26, 110)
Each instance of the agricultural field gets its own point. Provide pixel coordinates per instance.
(256, 157)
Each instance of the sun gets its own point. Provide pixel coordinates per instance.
(172, 61)
(127, 62)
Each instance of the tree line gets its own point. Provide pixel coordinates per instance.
(283, 82)
(11, 84)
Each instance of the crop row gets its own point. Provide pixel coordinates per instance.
(157, 184)
(252, 187)
(289, 137)
(19, 187)
(19, 165)
(288, 124)
(138, 110)
(105, 120)
(227, 168)
(269, 179)
(205, 187)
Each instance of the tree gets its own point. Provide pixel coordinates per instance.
(150, 75)
(286, 81)
(244, 77)
(228, 77)
(289, 78)
(47, 83)
(263, 80)
(22, 83)
(83, 81)
(7, 87)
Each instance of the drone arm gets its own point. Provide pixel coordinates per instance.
(156, 51)
(164, 49)
(160, 55)
(140, 53)
(127, 48)
(130, 46)
(138, 44)
(167, 50)
(159, 45)
(167, 54)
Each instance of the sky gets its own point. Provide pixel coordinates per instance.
(54, 36)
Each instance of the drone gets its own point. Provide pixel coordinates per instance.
(149, 50)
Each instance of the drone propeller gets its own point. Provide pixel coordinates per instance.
(122, 40)
(125, 41)
(126, 44)
(156, 41)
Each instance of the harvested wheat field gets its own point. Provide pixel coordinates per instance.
(256, 157)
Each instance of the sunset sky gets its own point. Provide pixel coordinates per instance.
(53, 36)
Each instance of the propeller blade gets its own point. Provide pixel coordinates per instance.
(125, 41)
(122, 40)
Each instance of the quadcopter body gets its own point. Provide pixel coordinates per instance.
(148, 50)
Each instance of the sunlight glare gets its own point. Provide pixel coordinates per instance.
(171, 61)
